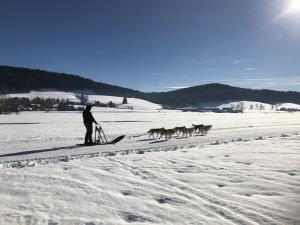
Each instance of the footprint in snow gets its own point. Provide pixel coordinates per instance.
(244, 163)
(168, 200)
(182, 171)
(52, 223)
(236, 181)
(247, 194)
(164, 199)
(259, 138)
(269, 194)
(221, 185)
(125, 192)
(190, 166)
(130, 217)
(67, 168)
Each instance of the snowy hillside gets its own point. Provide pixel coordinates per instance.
(133, 103)
(249, 106)
(289, 106)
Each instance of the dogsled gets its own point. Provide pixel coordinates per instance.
(100, 138)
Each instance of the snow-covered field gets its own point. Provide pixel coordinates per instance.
(245, 171)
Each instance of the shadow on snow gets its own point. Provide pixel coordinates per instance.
(38, 151)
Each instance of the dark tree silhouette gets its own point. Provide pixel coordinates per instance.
(124, 101)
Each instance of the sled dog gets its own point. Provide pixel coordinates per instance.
(188, 131)
(179, 130)
(205, 129)
(167, 133)
(153, 131)
(198, 127)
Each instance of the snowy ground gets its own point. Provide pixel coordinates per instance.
(245, 171)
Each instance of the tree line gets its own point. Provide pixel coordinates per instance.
(10, 105)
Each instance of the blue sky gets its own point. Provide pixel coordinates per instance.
(153, 45)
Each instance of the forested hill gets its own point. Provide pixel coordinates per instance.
(14, 80)
(215, 92)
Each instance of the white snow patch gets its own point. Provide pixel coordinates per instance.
(247, 105)
(133, 103)
(251, 106)
(289, 106)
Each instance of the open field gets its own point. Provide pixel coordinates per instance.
(245, 171)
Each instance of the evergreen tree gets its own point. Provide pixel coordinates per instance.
(111, 104)
(125, 101)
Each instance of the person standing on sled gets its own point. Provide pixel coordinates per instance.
(88, 121)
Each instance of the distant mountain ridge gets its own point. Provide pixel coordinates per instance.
(17, 80)
(223, 93)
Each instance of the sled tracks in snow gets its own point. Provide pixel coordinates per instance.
(33, 161)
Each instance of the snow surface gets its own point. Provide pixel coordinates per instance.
(245, 171)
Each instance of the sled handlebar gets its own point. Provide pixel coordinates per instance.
(98, 127)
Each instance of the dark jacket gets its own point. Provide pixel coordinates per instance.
(88, 117)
